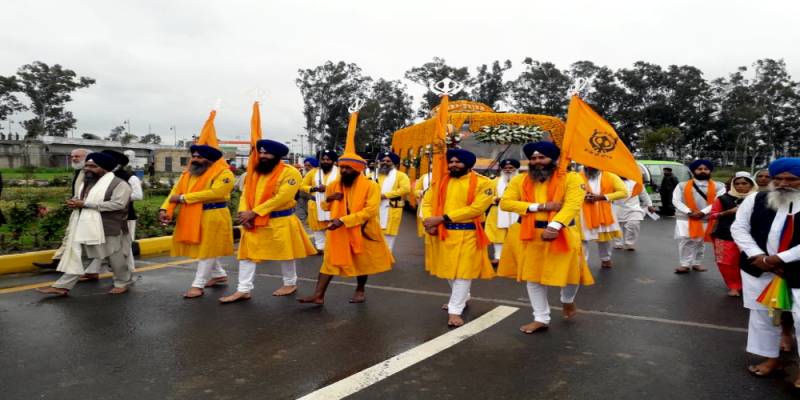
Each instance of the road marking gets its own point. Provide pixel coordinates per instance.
(385, 369)
(152, 267)
(527, 305)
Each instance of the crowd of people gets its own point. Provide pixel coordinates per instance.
(534, 227)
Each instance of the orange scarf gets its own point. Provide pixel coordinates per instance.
(482, 239)
(637, 189)
(598, 213)
(187, 228)
(347, 241)
(250, 195)
(696, 225)
(555, 192)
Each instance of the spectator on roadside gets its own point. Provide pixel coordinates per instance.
(723, 211)
(763, 180)
(668, 184)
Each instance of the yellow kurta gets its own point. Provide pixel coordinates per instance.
(531, 260)
(284, 237)
(495, 234)
(606, 233)
(375, 256)
(216, 227)
(458, 256)
(419, 191)
(402, 187)
(308, 183)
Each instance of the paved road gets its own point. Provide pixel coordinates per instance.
(643, 333)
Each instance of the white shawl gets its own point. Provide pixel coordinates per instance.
(504, 218)
(85, 227)
(387, 186)
(319, 197)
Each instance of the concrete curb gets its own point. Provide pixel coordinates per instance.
(23, 262)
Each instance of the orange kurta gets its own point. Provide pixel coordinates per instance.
(375, 256)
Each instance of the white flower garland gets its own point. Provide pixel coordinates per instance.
(509, 134)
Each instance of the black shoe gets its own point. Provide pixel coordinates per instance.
(53, 264)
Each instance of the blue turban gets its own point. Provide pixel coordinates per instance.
(103, 160)
(122, 159)
(510, 161)
(697, 163)
(466, 157)
(313, 161)
(785, 164)
(395, 158)
(207, 152)
(277, 149)
(330, 154)
(548, 149)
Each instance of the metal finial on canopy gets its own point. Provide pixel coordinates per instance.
(446, 87)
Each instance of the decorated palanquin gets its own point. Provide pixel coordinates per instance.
(476, 127)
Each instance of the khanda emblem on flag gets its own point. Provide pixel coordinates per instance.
(603, 142)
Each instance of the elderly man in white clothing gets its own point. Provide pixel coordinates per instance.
(97, 227)
(630, 213)
(767, 230)
(693, 200)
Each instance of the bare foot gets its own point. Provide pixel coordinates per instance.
(192, 293)
(766, 368)
(534, 326)
(734, 293)
(358, 297)
(118, 290)
(454, 320)
(285, 290)
(311, 300)
(236, 296)
(89, 277)
(699, 268)
(221, 280)
(569, 310)
(53, 290)
(786, 343)
(682, 270)
(606, 264)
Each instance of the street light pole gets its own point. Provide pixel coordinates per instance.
(174, 132)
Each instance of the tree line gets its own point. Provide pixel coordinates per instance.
(666, 112)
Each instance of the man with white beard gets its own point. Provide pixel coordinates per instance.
(77, 160)
(766, 229)
(498, 221)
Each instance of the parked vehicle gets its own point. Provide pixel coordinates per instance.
(653, 172)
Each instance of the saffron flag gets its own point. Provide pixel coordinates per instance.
(252, 159)
(590, 140)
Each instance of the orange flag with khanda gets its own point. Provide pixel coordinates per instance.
(592, 141)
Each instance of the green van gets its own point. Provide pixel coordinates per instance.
(653, 172)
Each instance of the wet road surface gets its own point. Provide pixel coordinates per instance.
(643, 332)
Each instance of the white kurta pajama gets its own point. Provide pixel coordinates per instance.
(87, 239)
(499, 219)
(630, 212)
(691, 251)
(763, 338)
(319, 198)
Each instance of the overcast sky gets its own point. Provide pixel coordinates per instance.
(167, 62)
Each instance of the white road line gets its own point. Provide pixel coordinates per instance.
(527, 305)
(385, 369)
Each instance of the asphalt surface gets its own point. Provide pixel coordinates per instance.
(643, 332)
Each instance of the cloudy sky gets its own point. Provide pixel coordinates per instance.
(163, 63)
